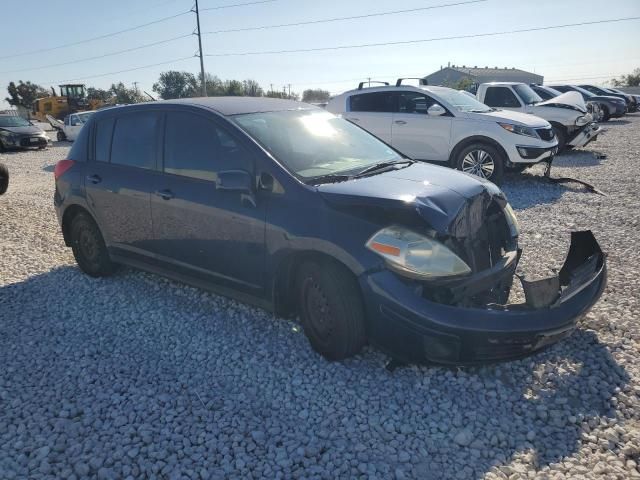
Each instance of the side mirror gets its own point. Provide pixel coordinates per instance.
(436, 110)
(235, 180)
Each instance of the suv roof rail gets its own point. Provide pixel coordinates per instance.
(361, 84)
(423, 81)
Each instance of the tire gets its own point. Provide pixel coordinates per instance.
(4, 178)
(88, 247)
(483, 160)
(2, 147)
(61, 136)
(561, 136)
(605, 114)
(331, 309)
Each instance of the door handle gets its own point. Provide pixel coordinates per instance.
(94, 179)
(165, 194)
(400, 122)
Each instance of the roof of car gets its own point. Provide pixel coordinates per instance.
(388, 88)
(241, 105)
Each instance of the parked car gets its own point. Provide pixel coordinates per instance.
(629, 100)
(567, 114)
(444, 125)
(16, 132)
(288, 207)
(633, 99)
(612, 107)
(4, 178)
(547, 93)
(69, 129)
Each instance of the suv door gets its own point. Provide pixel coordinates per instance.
(373, 111)
(117, 183)
(200, 227)
(502, 97)
(416, 133)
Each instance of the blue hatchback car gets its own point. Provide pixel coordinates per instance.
(287, 207)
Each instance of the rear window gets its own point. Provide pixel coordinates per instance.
(372, 102)
(134, 140)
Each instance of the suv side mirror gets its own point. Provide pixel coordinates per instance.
(235, 180)
(436, 110)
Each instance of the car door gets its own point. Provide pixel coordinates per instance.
(372, 111)
(200, 225)
(502, 97)
(416, 133)
(118, 178)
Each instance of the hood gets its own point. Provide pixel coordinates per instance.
(437, 194)
(568, 99)
(509, 116)
(30, 130)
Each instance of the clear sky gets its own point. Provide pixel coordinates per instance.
(591, 53)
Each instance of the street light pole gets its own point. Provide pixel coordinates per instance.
(204, 86)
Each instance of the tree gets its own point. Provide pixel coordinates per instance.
(630, 80)
(252, 88)
(98, 94)
(122, 94)
(174, 84)
(24, 94)
(315, 96)
(215, 86)
(233, 88)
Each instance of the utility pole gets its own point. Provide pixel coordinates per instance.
(204, 86)
(289, 90)
(135, 86)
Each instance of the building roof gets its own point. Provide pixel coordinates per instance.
(486, 71)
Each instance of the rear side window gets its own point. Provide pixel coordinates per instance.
(196, 147)
(104, 131)
(372, 102)
(500, 97)
(134, 140)
(80, 147)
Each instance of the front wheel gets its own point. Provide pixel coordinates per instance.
(89, 248)
(4, 178)
(331, 309)
(561, 136)
(482, 160)
(605, 114)
(61, 136)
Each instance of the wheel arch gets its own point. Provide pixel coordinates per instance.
(67, 218)
(465, 142)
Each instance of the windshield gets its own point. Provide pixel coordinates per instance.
(13, 121)
(526, 93)
(463, 102)
(312, 143)
(83, 117)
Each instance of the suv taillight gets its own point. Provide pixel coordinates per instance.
(61, 167)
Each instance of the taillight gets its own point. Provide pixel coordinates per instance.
(61, 167)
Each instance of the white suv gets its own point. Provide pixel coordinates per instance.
(445, 125)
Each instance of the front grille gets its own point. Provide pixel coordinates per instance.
(26, 142)
(545, 133)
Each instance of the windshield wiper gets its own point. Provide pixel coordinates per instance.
(381, 166)
(329, 178)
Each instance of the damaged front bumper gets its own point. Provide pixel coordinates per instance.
(412, 328)
(585, 135)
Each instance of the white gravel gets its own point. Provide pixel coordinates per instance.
(138, 377)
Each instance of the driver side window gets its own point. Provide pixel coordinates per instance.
(501, 97)
(413, 102)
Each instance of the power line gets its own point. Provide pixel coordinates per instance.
(436, 39)
(80, 42)
(233, 5)
(338, 19)
(86, 59)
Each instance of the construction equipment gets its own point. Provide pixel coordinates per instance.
(72, 98)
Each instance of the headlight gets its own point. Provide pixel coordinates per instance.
(519, 129)
(583, 120)
(514, 226)
(415, 255)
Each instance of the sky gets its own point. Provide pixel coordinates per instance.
(591, 53)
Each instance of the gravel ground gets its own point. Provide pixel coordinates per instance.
(139, 377)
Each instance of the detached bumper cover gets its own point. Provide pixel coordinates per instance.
(585, 135)
(413, 329)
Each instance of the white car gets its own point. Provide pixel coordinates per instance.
(70, 128)
(567, 113)
(444, 125)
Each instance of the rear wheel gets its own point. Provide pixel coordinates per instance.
(4, 178)
(89, 248)
(605, 114)
(61, 136)
(331, 309)
(482, 160)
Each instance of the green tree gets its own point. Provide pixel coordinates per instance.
(233, 88)
(630, 80)
(174, 84)
(252, 88)
(98, 94)
(123, 95)
(315, 96)
(24, 94)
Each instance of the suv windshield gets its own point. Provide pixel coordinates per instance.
(526, 93)
(83, 117)
(585, 93)
(463, 102)
(313, 143)
(13, 121)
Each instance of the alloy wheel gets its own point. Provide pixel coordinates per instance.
(479, 163)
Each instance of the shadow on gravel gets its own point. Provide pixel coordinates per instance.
(579, 158)
(530, 189)
(616, 122)
(49, 168)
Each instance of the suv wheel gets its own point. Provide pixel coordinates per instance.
(331, 310)
(4, 178)
(561, 136)
(89, 248)
(482, 160)
(61, 136)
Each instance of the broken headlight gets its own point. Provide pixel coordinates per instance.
(415, 255)
(583, 120)
(519, 129)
